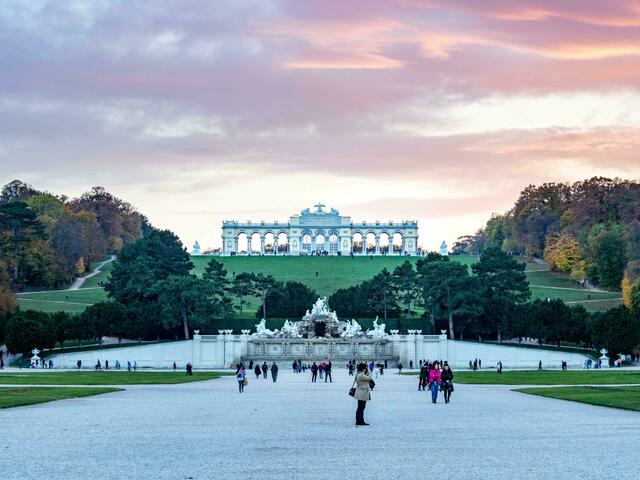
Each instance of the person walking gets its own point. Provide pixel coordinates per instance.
(274, 372)
(128, 365)
(327, 373)
(423, 378)
(241, 375)
(363, 392)
(321, 368)
(174, 366)
(434, 381)
(189, 369)
(350, 368)
(265, 369)
(399, 368)
(257, 371)
(447, 382)
(295, 366)
(314, 372)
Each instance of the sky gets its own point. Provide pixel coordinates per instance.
(199, 111)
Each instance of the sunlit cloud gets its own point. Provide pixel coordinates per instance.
(440, 111)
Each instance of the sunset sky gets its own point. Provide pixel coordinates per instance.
(440, 111)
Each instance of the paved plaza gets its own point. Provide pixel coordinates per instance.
(296, 429)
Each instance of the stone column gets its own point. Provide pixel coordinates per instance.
(229, 348)
(377, 251)
(262, 244)
(235, 245)
(220, 349)
(275, 244)
(195, 348)
(249, 244)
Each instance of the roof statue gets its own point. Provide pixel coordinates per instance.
(444, 249)
(378, 330)
(196, 248)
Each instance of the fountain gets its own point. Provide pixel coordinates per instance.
(320, 335)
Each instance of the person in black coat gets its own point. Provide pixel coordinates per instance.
(257, 370)
(265, 369)
(274, 372)
(447, 382)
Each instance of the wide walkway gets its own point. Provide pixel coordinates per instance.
(295, 429)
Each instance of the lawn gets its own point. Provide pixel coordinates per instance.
(104, 378)
(549, 377)
(323, 274)
(16, 397)
(627, 398)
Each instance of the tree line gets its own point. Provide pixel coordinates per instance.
(589, 229)
(492, 302)
(47, 240)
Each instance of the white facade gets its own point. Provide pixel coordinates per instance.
(226, 349)
(321, 230)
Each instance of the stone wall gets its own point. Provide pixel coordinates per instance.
(224, 350)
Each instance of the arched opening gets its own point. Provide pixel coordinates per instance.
(397, 243)
(357, 243)
(385, 241)
(306, 243)
(333, 244)
(370, 243)
(255, 243)
(320, 243)
(283, 243)
(269, 243)
(243, 243)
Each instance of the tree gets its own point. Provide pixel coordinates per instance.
(382, 293)
(405, 282)
(504, 284)
(145, 262)
(444, 282)
(243, 285)
(7, 298)
(215, 277)
(119, 221)
(617, 330)
(18, 227)
(61, 322)
(263, 285)
(563, 252)
(183, 300)
(289, 300)
(608, 259)
(28, 330)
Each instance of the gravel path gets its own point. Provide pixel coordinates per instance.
(295, 429)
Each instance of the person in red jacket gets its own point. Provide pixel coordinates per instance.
(434, 381)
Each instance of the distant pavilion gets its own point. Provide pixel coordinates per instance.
(319, 232)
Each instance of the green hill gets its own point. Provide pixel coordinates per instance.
(332, 273)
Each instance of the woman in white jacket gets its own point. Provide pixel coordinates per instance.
(363, 392)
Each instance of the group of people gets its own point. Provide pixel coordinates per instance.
(260, 370)
(98, 365)
(34, 364)
(324, 369)
(475, 364)
(379, 367)
(436, 380)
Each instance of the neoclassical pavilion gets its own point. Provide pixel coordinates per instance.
(319, 232)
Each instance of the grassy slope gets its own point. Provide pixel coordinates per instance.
(104, 378)
(627, 398)
(15, 397)
(333, 273)
(549, 377)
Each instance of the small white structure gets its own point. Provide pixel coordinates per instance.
(604, 360)
(444, 249)
(196, 249)
(35, 359)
